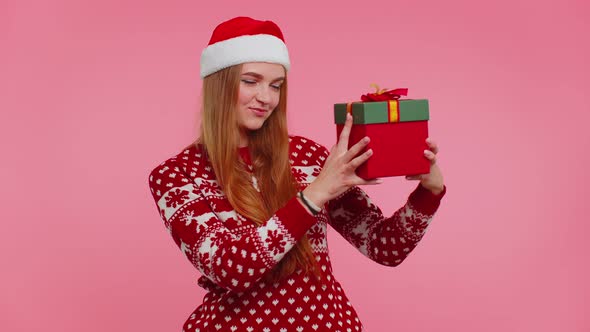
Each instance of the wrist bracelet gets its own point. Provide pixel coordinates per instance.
(310, 205)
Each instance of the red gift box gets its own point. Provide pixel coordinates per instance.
(398, 145)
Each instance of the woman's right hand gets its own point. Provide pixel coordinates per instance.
(338, 173)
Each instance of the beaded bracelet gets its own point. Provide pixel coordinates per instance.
(310, 205)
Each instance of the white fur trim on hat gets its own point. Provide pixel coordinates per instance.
(248, 48)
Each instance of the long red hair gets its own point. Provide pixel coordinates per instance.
(269, 150)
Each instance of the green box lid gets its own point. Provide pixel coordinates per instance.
(378, 112)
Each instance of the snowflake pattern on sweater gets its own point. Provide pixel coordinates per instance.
(233, 254)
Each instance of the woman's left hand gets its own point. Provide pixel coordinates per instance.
(432, 181)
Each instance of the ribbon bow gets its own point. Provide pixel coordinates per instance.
(384, 94)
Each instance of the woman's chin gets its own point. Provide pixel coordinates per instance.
(254, 126)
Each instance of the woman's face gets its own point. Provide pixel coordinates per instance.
(259, 94)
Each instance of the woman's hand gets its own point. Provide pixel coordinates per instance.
(432, 181)
(338, 173)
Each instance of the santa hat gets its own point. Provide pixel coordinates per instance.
(244, 39)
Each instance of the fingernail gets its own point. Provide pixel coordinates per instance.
(366, 139)
(426, 151)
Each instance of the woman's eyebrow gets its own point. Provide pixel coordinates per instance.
(261, 77)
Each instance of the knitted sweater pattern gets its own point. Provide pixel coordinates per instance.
(233, 254)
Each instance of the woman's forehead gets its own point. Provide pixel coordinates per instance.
(263, 70)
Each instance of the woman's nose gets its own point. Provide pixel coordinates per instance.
(263, 94)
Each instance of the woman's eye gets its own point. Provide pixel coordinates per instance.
(249, 82)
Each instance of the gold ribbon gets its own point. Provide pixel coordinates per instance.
(377, 90)
(393, 110)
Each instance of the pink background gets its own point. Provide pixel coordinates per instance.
(94, 94)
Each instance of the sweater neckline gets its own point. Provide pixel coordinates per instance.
(245, 154)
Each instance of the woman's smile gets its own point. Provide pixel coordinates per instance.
(258, 112)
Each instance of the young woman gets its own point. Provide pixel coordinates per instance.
(249, 204)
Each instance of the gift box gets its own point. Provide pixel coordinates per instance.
(398, 129)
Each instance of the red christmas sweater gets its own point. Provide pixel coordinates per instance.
(233, 254)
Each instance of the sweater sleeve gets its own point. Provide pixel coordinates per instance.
(232, 258)
(387, 241)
